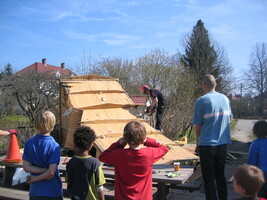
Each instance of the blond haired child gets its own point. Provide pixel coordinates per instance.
(41, 158)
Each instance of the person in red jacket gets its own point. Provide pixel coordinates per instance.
(133, 165)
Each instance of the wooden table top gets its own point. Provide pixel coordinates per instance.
(159, 173)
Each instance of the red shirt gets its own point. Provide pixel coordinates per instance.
(133, 168)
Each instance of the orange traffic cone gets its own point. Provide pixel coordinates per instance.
(13, 154)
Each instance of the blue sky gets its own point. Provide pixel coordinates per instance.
(68, 30)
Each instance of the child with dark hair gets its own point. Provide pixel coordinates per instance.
(248, 180)
(258, 152)
(133, 165)
(85, 177)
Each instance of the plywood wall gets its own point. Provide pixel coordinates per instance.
(104, 105)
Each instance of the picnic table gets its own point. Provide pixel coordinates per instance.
(159, 177)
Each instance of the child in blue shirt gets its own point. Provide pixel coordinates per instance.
(41, 158)
(258, 152)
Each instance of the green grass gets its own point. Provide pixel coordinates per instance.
(13, 121)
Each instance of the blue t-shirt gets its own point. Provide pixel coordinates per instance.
(258, 155)
(213, 114)
(41, 151)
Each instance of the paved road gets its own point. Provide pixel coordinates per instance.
(243, 130)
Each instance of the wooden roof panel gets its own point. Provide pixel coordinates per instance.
(175, 153)
(87, 100)
(95, 85)
(107, 114)
(102, 104)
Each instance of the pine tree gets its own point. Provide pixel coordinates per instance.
(8, 70)
(200, 56)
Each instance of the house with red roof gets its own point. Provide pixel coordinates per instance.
(43, 67)
(139, 100)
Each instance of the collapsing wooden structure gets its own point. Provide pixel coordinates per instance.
(104, 105)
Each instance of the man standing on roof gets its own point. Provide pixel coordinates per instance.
(157, 103)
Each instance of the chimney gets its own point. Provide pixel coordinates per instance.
(44, 61)
(63, 65)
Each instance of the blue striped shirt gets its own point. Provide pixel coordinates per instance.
(213, 114)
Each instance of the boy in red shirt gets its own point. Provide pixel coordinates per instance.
(133, 165)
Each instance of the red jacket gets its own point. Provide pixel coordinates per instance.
(133, 168)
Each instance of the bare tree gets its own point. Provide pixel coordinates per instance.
(154, 68)
(33, 92)
(122, 69)
(87, 66)
(256, 75)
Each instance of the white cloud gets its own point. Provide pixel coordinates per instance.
(80, 36)
(117, 39)
(112, 39)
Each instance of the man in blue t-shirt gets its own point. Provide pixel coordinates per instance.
(212, 128)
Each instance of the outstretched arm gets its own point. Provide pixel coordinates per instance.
(4, 132)
(10, 132)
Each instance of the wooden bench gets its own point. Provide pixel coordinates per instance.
(14, 194)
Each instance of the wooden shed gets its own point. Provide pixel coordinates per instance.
(103, 104)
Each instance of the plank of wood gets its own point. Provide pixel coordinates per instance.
(12, 194)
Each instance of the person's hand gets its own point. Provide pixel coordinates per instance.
(145, 140)
(28, 180)
(122, 141)
(13, 131)
(197, 150)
